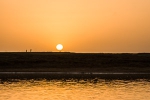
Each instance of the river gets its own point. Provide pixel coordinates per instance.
(74, 89)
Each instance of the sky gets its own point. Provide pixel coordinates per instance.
(79, 25)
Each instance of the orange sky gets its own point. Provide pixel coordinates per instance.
(80, 25)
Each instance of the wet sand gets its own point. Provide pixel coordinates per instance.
(48, 64)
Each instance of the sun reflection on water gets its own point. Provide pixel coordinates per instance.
(75, 89)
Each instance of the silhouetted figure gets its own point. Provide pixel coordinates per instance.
(26, 51)
(30, 50)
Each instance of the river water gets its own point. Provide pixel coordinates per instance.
(74, 89)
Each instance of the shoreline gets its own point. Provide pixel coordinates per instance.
(79, 75)
(70, 75)
(66, 62)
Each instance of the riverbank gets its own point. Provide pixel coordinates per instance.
(76, 75)
(74, 62)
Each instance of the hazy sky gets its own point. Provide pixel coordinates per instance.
(80, 25)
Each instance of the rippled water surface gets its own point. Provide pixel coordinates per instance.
(75, 89)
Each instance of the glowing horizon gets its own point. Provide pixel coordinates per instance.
(79, 25)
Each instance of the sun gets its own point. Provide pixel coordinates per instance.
(59, 47)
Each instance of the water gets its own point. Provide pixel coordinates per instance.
(75, 89)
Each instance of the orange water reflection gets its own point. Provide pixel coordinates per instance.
(75, 90)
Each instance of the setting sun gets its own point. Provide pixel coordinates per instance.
(81, 25)
(59, 47)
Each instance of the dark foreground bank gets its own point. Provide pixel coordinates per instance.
(75, 62)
